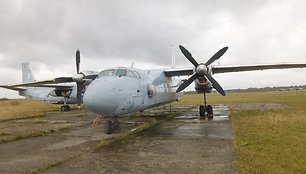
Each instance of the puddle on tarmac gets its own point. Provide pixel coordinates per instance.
(190, 124)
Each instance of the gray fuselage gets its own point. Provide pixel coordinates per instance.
(119, 91)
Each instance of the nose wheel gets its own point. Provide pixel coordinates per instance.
(112, 126)
(206, 110)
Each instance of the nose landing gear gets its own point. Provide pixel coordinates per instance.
(112, 126)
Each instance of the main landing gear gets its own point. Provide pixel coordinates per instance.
(206, 110)
(65, 107)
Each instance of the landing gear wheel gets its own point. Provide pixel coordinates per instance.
(210, 113)
(65, 108)
(116, 126)
(202, 111)
(108, 127)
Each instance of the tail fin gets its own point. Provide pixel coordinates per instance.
(27, 75)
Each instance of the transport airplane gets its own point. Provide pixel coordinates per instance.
(49, 92)
(123, 90)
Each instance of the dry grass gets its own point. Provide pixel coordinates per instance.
(20, 108)
(266, 141)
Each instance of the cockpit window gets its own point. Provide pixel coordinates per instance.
(121, 72)
(136, 74)
(130, 74)
(109, 72)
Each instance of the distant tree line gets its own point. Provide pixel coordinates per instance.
(279, 88)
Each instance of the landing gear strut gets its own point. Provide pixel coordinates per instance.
(206, 110)
(65, 107)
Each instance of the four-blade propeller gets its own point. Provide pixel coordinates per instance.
(201, 70)
(78, 78)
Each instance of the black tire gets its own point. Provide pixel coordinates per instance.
(210, 109)
(63, 108)
(210, 112)
(116, 126)
(67, 108)
(108, 127)
(202, 111)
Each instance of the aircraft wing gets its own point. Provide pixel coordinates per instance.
(178, 72)
(46, 84)
(34, 84)
(227, 69)
(11, 88)
(19, 87)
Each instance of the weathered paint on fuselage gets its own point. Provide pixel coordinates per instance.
(115, 96)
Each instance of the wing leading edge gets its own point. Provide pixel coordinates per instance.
(226, 69)
(216, 70)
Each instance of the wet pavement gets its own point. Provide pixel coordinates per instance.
(185, 144)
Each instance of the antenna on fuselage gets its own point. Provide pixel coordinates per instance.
(173, 57)
(132, 66)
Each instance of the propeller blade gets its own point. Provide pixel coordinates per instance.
(79, 94)
(216, 85)
(78, 60)
(216, 56)
(187, 83)
(188, 55)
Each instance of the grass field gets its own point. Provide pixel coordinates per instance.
(266, 141)
(20, 108)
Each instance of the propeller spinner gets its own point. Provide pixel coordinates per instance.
(202, 70)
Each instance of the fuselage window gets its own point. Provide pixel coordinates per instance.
(109, 72)
(121, 72)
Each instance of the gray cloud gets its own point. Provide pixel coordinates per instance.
(109, 33)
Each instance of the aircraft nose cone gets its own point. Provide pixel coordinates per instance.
(100, 98)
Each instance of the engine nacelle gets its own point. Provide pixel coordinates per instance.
(90, 73)
(151, 90)
(60, 93)
(203, 85)
(86, 82)
(85, 76)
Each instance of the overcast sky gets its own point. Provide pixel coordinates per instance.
(47, 33)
